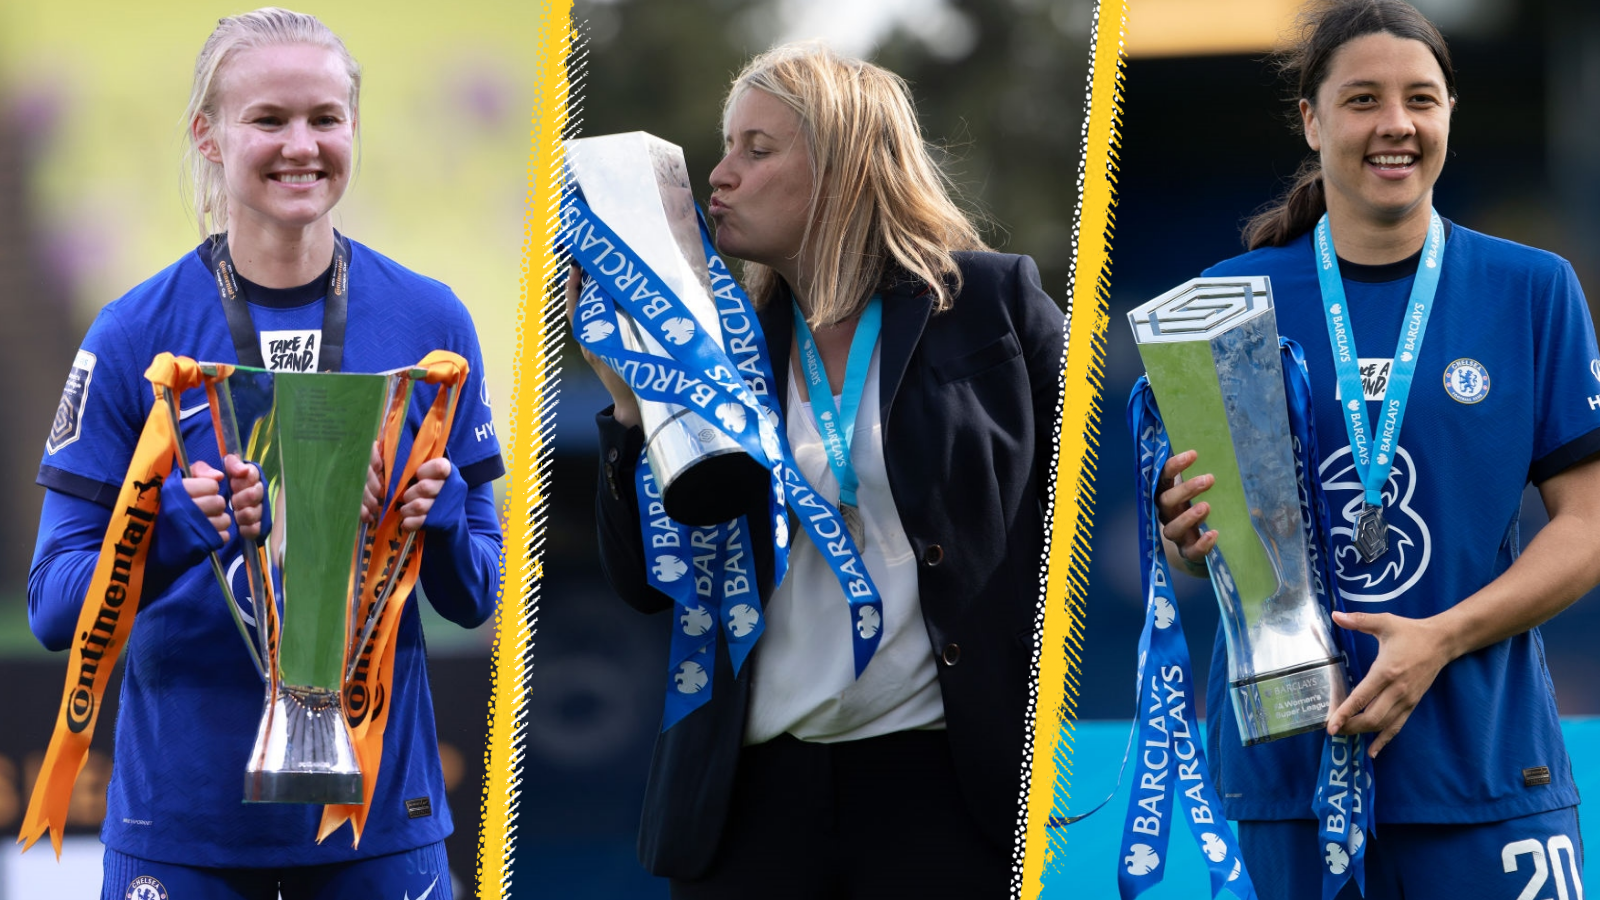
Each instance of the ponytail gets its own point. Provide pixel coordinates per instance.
(1293, 214)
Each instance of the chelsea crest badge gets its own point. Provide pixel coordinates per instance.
(1466, 380)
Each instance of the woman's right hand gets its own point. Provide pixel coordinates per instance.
(244, 481)
(204, 487)
(1182, 512)
(626, 407)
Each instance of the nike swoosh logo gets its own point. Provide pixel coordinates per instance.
(424, 894)
(186, 413)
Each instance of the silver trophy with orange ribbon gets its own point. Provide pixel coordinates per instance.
(639, 186)
(324, 604)
(1210, 349)
(322, 582)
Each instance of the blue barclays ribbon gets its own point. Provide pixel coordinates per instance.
(1343, 800)
(735, 395)
(681, 563)
(1170, 759)
(836, 423)
(1374, 451)
(746, 347)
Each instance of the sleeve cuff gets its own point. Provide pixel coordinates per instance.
(447, 509)
(62, 481)
(184, 536)
(620, 446)
(1564, 457)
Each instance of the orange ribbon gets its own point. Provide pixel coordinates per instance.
(367, 694)
(106, 618)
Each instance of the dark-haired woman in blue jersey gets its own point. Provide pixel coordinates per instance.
(1474, 791)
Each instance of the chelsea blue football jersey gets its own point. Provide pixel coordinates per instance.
(1506, 391)
(191, 699)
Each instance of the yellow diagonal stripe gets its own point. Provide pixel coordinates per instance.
(532, 423)
(1072, 496)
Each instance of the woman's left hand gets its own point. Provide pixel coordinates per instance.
(1410, 654)
(418, 499)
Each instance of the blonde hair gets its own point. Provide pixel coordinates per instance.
(878, 199)
(265, 27)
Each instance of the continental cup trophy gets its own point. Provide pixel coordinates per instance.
(312, 435)
(1210, 349)
(639, 186)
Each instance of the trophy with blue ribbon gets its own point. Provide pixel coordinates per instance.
(660, 308)
(1211, 353)
(639, 185)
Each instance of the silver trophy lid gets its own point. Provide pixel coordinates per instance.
(1200, 309)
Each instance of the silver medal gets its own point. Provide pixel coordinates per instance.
(1371, 536)
(853, 524)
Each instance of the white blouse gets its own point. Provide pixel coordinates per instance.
(804, 679)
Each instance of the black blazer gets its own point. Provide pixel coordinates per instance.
(969, 404)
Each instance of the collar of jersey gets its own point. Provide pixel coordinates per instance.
(1386, 272)
(283, 298)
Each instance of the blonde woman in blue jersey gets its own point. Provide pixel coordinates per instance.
(272, 125)
(1474, 791)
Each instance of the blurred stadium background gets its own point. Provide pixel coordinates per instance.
(91, 94)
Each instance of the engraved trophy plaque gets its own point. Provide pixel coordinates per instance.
(1210, 349)
(638, 184)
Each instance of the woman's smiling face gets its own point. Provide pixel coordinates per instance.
(284, 135)
(1381, 123)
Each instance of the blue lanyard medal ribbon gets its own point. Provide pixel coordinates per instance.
(1374, 449)
(1344, 798)
(837, 423)
(1168, 753)
(735, 396)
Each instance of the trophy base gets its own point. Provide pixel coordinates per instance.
(715, 488)
(303, 752)
(1287, 702)
(302, 787)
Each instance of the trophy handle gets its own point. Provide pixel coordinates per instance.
(216, 562)
(388, 437)
(377, 608)
(391, 578)
(226, 422)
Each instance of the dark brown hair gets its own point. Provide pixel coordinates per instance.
(1322, 28)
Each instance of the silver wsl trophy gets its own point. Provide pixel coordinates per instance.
(1210, 349)
(312, 435)
(638, 184)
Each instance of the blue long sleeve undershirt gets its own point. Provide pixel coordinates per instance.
(460, 564)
